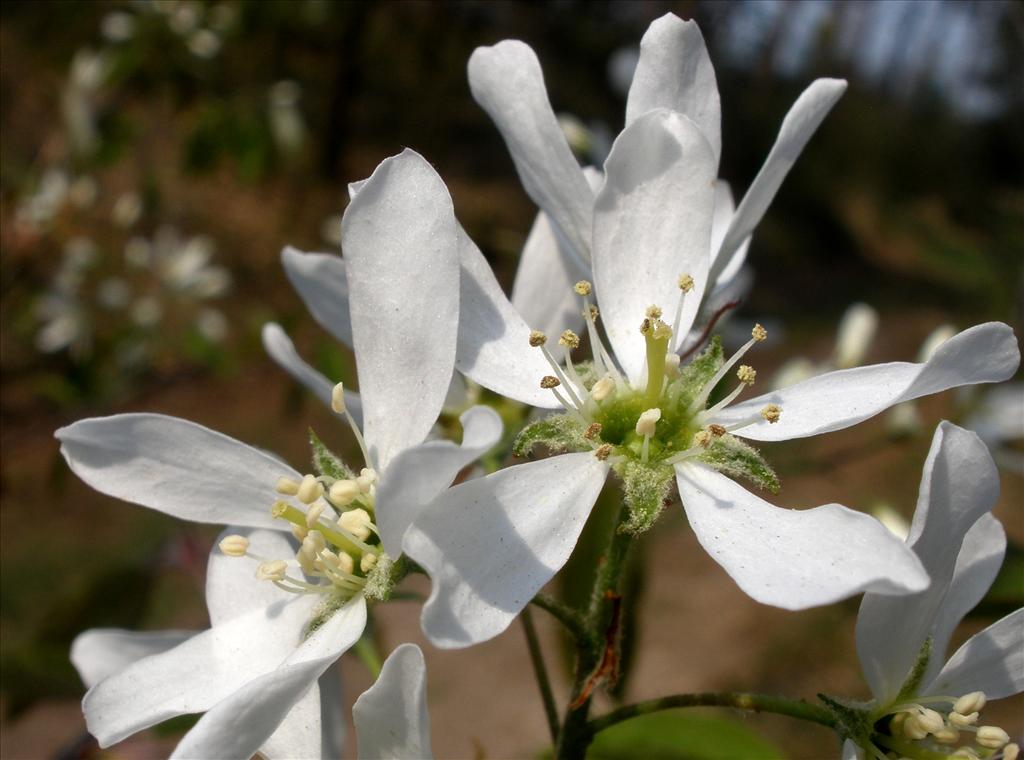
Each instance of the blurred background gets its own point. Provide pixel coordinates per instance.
(156, 156)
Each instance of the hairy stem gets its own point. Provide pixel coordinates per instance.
(540, 671)
(564, 614)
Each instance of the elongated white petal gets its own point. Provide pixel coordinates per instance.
(280, 348)
(299, 732)
(419, 474)
(100, 652)
(725, 209)
(196, 674)
(321, 282)
(652, 223)
(391, 716)
(991, 661)
(675, 72)
(798, 127)
(985, 353)
(237, 726)
(851, 751)
(400, 240)
(332, 702)
(959, 485)
(494, 342)
(232, 588)
(977, 566)
(542, 292)
(507, 82)
(175, 466)
(490, 544)
(794, 559)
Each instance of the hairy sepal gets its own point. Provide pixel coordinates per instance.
(733, 457)
(645, 489)
(326, 462)
(695, 375)
(559, 433)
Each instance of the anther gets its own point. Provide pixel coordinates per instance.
(593, 312)
(537, 338)
(930, 720)
(685, 283)
(343, 492)
(593, 431)
(746, 374)
(314, 542)
(913, 729)
(310, 490)
(716, 431)
(367, 563)
(287, 486)
(569, 339)
(313, 515)
(645, 326)
(357, 522)
(772, 412)
(1011, 751)
(759, 333)
(960, 720)
(601, 389)
(234, 545)
(702, 438)
(299, 532)
(603, 451)
(645, 425)
(582, 288)
(367, 477)
(338, 398)
(968, 703)
(965, 753)
(947, 735)
(992, 737)
(549, 381)
(272, 571)
(653, 311)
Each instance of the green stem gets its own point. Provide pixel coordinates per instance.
(366, 650)
(752, 702)
(540, 671)
(564, 614)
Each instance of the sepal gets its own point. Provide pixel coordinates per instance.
(737, 459)
(559, 433)
(695, 375)
(645, 490)
(326, 462)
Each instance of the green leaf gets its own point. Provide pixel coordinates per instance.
(645, 488)
(683, 735)
(559, 433)
(326, 462)
(735, 458)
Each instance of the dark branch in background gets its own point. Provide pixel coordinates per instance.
(707, 330)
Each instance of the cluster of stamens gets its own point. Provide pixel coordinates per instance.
(661, 392)
(933, 731)
(332, 519)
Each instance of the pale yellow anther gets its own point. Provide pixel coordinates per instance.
(947, 735)
(653, 312)
(582, 288)
(896, 724)
(965, 753)
(746, 374)
(603, 451)
(758, 333)
(602, 388)
(702, 438)
(968, 703)
(307, 560)
(1011, 751)
(234, 545)
(685, 283)
(647, 422)
(357, 522)
(343, 492)
(912, 728)
(592, 431)
(313, 515)
(366, 479)
(537, 338)
(930, 720)
(992, 737)
(287, 486)
(314, 542)
(340, 561)
(338, 398)
(274, 570)
(772, 412)
(309, 490)
(569, 339)
(549, 381)
(961, 720)
(299, 532)
(366, 564)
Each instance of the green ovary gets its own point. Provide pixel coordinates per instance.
(618, 417)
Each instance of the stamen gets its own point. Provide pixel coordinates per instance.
(359, 438)
(603, 363)
(338, 537)
(275, 570)
(1011, 751)
(343, 492)
(947, 735)
(963, 721)
(600, 390)
(646, 426)
(537, 338)
(287, 486)
(772, 412)
(356, 522)
(757, 335)
(583, 288)
(310, 490)
(313, 515)
(366, 479)
(672, 362)
(563, 380)
(338, 398)
(234, 545)
(569, 339)
(968, 703)
(549, 381)
(603, 451)
(746, 377)
(685, 285)
(593, 431)
(992, 737)
(366, 564)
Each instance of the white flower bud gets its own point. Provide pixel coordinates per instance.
(344, 492)
(856, 331)
(968, 703)
(309, 490)
(272, 571)
(338, 398)
(234, 545)
(992, 737)
(287, 486)
(601, 389)
(356, 522)
(646, 424)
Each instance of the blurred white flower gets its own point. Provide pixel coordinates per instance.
(83, 191)
(127, 209)
(113, 293)
(184, 17)
(87, 75)
(330, 230)
(204, 43)
(46, 201)
(146, 311)
(212, 325)
(138, 252)
(286, 123)
(118, 26)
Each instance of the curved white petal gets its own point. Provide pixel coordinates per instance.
(280, 348)
(400, 240)
(986, 353)
(232, 588)
(798, 127)
(959, 485)
(299, 733)
(100, 652)
(391, 716)
(321, 282)
(490, 544)
(652, 223)
(419, 474)
(175, 466)
(675, 72)
(332, 718)
(238, 725)
(991, 661)
(725, 208)
(507, 82)
(198, 673)
(542, 292)
(794, 559)
(851, 751)
(494, 342)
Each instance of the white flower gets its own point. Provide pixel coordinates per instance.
(391, 716)
(902, 642)
(246, 672)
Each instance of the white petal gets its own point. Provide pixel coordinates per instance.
(321, 282)
(175, 466)
(494, 341)
(281, 349)
(959, 485)
(725, 208)
(490, 544)
(400, 241)
(507, 82)
(419, 474)
(237, 726)
(542, 292)
(798, 127)
(794, 559)
(100, 652)
(332, 717)
(299, 732)
(652, 223)
(851, 751)
(675, 72)
(391, 716)
(232, 588)
(198, 673)
(991, 661)
(985, 353)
